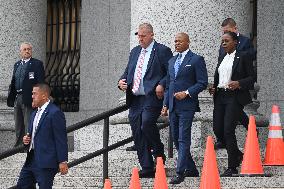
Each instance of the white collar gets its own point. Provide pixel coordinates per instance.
(184, 52)
(232, 54)
(26, 60)
(149, 48)
(43, 107)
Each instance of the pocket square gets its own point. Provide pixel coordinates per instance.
(187, 65)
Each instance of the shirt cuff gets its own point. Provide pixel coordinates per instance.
(187, 93)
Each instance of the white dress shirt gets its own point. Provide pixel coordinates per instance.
(140, 90)
(40, 111)
(225, 70)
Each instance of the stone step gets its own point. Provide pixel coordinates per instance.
(123, 182)
(97, 171)
(90, 138)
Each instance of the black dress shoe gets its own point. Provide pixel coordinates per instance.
(229, 172)
(147, 174)
(219, 145)
(188, 173)
(177, 179)
(131, 148)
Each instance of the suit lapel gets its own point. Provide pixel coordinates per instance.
(134, 61)
(28, 67)
(236, 62)
(43, 116)
(152, 55)
(184, 61)
(31, 123)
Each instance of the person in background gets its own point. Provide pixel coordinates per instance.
(27, 72)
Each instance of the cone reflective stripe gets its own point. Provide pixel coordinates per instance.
(135, 182)
(275, 134)
(275, 119)
(252, 162)
(160, 181)
(274, 154)
(210, 176)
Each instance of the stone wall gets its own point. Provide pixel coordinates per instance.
(270, 55)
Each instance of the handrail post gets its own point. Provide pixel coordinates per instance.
(105, 146)
(170, 144)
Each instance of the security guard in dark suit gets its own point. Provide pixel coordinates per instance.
(27, 72)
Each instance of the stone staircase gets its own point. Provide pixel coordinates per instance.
(89, 173)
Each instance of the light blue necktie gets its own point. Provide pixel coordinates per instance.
(177, 63)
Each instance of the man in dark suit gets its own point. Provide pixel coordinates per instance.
(27, 72)
(46, 141)
(244, 44)
(144, 80)
(187, 77)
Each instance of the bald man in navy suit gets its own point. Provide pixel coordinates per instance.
(187, 77)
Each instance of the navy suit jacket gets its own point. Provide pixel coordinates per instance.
(155, 74)
(191, 76)
(242, 71)
(35, 67)
(50, 140)
(245, 44)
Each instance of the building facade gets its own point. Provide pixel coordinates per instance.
(85, 45)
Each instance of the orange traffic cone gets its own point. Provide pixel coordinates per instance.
(274, 154)
(251, 165)
(210, 175)
(160, 181)
(135, 182)
(107, 184)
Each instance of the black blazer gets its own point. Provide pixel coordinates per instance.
(242, 71)
(34, 74)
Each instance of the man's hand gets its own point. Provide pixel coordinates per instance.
(180, 95)
(160, 91)
(164, 111)
(122, 84)
(63, 168)
(26, 139)
(233, 85)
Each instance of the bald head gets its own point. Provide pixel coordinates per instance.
(181, 42)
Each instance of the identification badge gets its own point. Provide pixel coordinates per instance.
(31, 75)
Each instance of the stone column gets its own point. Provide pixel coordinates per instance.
(105, 30)
(104, 53)
(20, 21)
(270, 59)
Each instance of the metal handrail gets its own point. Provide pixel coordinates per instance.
(103, 151)
(71, 128)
